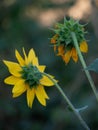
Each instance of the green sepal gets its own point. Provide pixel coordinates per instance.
(31, 75)
(64, 31)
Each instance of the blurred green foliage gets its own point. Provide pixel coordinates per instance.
(18, 30)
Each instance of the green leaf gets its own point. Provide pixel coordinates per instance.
(93, 66)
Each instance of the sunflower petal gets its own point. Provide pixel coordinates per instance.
(46, 81)
(19, 58)
(55, 47)
(51, 75)
(67, 56)
(26, 59)
(43, 92)
(40, 95)
(53, 41)
(54, 38)
(32, 57)
(20, 87)
(30, 96)
(14, 68)
(16, 95)
(74, 55)
(11, 80)
(61, 50)
(41, 68)
(84, 47)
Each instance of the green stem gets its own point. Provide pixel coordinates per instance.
(68, 102)
(84, 64)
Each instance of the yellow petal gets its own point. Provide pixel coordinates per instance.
(61, 50)
(32, 57)
(46, 81)
(67, 56)
(84, 47)
(16, 95)
(26, 59)
(20, 87)
(11, 80)
(14, 68)
(41, 68)
(43, 91)
(19, 58)
(54, 38)
(74, 55)
(55, 47)
(53, 41)
(51, 75)
(30, 96)
(40, 95)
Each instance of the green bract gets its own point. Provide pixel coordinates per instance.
(64, 32)
(31, 75)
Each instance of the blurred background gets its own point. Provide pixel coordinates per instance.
(27, 23)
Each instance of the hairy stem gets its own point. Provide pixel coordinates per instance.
(68, 102)
(84, 65)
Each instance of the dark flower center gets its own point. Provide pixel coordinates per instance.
(31, 74)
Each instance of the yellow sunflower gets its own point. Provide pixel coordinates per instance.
(26, 76)
(63, 42)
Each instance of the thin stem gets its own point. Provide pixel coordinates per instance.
(84, 64)
(68, 102)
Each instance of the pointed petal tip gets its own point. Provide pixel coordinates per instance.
(11, 80)
(30, 97)
(30, 106)
(84, 47)
(44, 104)
(74, 55)
(4, 61)
(46, 81)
